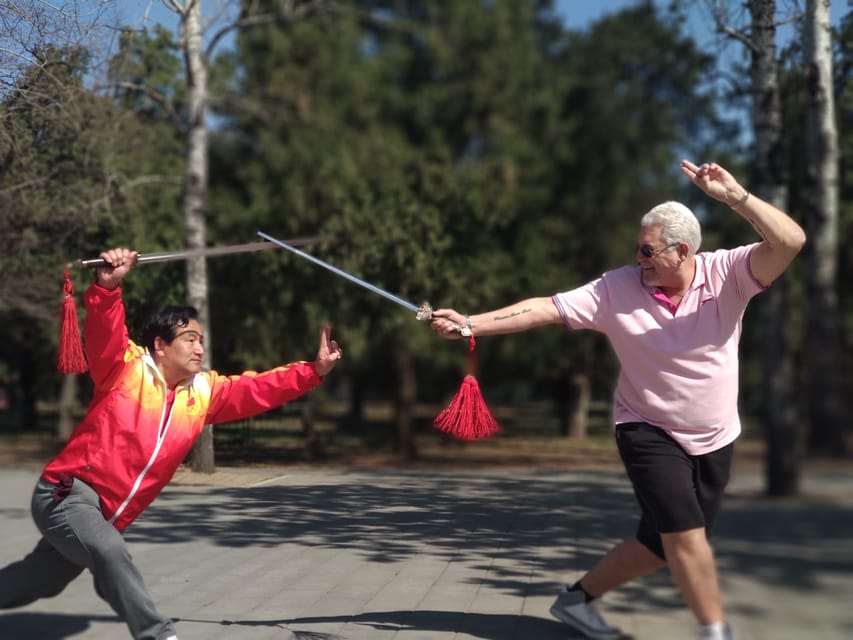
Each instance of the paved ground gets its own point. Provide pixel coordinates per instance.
(286, 554)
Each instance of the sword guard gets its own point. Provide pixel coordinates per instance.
(424, 312)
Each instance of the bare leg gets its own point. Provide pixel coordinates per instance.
(628, 560)
(691, 562)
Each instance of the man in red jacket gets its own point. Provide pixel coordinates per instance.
(150, 403)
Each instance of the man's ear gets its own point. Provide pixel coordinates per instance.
(159, 345)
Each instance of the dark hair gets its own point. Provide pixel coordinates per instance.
(165, 324)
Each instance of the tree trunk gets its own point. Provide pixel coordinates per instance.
(195, 192)
(783, 455)
(355, 411)
(823, 378)
(580, 394)
(308, 415)
(404, 405)
(65, 411)
(27, 401)
(575, 422)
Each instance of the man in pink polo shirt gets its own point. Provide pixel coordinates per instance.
(674, 322)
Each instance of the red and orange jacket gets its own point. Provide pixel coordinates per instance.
(131, 442)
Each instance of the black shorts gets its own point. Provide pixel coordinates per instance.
(676, 491)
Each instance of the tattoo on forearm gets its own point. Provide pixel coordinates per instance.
(513, 314)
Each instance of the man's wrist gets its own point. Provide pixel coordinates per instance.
(107, 287)
(466, 329)
(741, 201)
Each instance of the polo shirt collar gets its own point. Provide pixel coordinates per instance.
(698, 283)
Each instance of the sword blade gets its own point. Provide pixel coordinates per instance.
(390, 296)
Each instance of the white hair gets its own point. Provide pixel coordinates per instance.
(677, 222)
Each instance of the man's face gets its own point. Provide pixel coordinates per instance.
(182, 357)
(660, 262)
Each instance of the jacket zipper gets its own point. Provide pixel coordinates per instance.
(165, 421)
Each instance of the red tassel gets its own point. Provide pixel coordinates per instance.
(71, 358)
(467, 417)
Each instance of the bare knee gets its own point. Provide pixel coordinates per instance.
(689, 542)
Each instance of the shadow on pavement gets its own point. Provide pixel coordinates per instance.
(390, 517)
(487, 626)
(785, 541)
(393, 517)
(45, 626)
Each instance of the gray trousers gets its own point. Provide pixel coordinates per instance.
(75, 536)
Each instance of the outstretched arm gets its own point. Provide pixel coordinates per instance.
(521, 316)
(782, 238)
(241, 396)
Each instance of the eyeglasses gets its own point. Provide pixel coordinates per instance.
(648, 252)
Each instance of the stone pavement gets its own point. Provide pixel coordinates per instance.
(283, 554)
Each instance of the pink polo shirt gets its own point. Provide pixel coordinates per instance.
(679, 365)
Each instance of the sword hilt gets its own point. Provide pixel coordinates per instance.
(424, 312)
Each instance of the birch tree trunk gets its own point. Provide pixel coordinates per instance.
(783, 441)
(195, 192)
(822, 333)
(65, 410)
(196, 179)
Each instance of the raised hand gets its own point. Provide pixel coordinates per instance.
(714, 181)
(328, 352)
(119, 262)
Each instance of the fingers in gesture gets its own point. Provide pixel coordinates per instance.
(328, 352)
(714, 180)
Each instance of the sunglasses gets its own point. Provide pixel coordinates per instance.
(648, 252)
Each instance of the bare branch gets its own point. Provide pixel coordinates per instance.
(18, 54)
(287, 10)
(174, 5)
(725, 19)
(24, 185)
(154, 95)
(113, 185)
(724, 22)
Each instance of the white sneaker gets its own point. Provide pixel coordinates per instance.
(571, 608)
(716, 631)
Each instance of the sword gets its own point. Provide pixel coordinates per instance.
(169, 256)
(422, 311)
